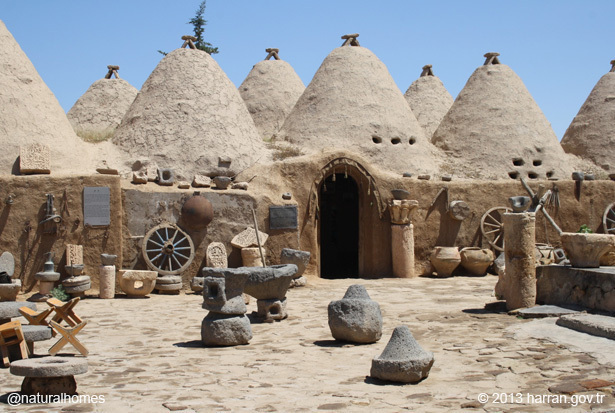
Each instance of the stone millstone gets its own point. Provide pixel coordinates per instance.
(269, 282)
(300, 258)
(10, 309)
(49, 367)
(225, 330)
(403, 359)
(356, 317)
(36, 333)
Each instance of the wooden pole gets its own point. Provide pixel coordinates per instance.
(258, 238)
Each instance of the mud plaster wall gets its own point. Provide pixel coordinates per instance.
(146, 206)
(22, 236)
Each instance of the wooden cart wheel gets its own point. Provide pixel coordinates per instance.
(608, 219)
(167, 249)
(492, 227)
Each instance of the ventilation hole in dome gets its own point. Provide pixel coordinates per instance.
(376, 139)
(518, 161)
(532, 175)
(550, 174)
(412, 141)
(537, 162)
(514, 174)
(538, 149)
(395, 141)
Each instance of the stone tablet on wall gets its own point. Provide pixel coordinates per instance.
(34, 159)
(74, 254)
(247, 239)
(216, 255)
(97, 206)
(283, 217)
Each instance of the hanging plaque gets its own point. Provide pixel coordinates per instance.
(96, 206)
(283, 217)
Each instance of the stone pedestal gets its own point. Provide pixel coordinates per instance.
(107, 281)
(402, 246)
(251, 257)
(169, 284)
(137, 283)
(47, 279)
(518, 285)
(270, 284)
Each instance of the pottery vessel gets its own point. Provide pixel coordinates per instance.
(585, 250)
(445, 260)
(476, 260)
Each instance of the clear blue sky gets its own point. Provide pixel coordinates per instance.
(560, 48)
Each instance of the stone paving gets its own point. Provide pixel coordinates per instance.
(146, 355)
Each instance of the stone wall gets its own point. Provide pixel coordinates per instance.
(23, 236)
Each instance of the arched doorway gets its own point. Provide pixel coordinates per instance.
(339, 227)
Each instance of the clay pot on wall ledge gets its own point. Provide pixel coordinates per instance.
(585, 250)
(476, 260)
(445, 260)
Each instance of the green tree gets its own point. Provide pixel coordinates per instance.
(198, 23)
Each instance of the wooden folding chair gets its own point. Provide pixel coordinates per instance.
(68, 336)
(64, 311)
(11, 334)
(36, 318)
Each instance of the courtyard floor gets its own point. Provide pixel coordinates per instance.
(146, 356)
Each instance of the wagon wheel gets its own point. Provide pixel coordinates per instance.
(167, 249)
(492, 227)
(608, 219)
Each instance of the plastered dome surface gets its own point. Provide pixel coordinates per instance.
(591, 135)
(189, 116)
(270, 91)
(352, 103)
(31, 114)
(102, 107)
(496, 130)
(429, 101)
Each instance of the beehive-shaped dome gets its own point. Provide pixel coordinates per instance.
(591, 135)
(189, 116)
(353, 104)
(31, 114)
(429, 100)
(270, 91)
(496, 129)
(101, 108)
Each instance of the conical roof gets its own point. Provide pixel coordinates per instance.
(270, 91)
(353, 104)
(591, 135)
(31, 114)
(496, 129)
(189, 116)
(429, 100)
(101, 108)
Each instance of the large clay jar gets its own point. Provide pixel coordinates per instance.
(585, 250)
(445, 260)
(476, 260)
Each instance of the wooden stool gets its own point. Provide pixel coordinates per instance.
(68, 336)
(11, 334)
(35, 318)
(64, 311)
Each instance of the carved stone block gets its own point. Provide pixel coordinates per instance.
(34, 159)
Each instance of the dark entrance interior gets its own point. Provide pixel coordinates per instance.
(339, 227)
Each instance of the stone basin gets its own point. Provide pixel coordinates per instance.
(266, 283)
(137, 283)
(585, 250)
(8, 292)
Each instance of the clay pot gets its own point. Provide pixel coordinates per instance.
(585, 250)
(445, 260)
(197, 212)
(476, 260)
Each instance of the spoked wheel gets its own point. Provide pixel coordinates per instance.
(167, 249)
(608, 219)
(492, 227)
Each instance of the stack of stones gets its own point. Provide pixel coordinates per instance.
(226, 323)
(403, 359)
(9, 288)
(216, 258)
(269, 286)
(77, 284)
(47, 279)
(301, 259)
(169, 284)
(107, 276)
(356, 318)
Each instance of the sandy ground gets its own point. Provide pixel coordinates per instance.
(146, 356)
